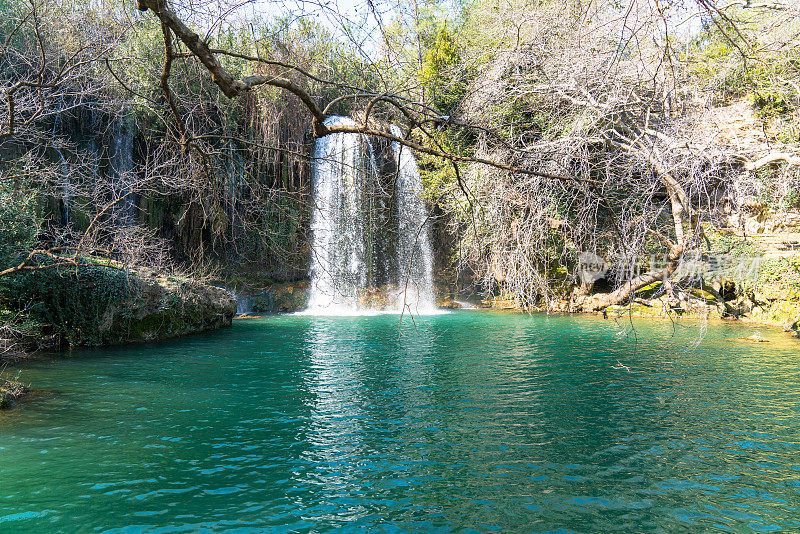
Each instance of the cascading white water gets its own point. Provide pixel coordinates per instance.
(338, 263)
(414, 253)
(350, 249)
(244, 303)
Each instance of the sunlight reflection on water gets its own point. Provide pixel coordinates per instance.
(468, 420)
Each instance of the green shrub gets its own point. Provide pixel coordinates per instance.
(770, 104)
(71, 300)
(11, 390)
(720, 242)
(19, 222)
(779, 278)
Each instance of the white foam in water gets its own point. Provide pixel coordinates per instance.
(345, 172)
(367, 312)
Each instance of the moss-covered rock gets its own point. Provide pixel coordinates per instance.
(639, 309)
(11, 391)
(161, 307)
(775, 313)
(664, 306)
(93, 304)
(650, 291)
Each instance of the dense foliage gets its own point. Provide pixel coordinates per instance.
(119, 142)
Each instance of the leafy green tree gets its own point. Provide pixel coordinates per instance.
(440, 73)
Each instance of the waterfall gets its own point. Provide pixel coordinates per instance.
(63, 182)
(338, 263)
(236, 179)
(415, 255)
(244, 303)
(124, 177)
(362, 248)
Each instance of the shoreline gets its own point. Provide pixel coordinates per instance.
(783, 314)
(13, 392)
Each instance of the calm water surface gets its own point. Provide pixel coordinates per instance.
(470, 422)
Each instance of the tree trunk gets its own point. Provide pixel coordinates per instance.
(624, 292)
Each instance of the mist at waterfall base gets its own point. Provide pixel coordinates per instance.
(371, 250)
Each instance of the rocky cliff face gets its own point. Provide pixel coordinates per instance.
(160, 307)
(284, 297)
(279, 297)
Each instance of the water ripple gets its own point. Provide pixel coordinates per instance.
(474, 422)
